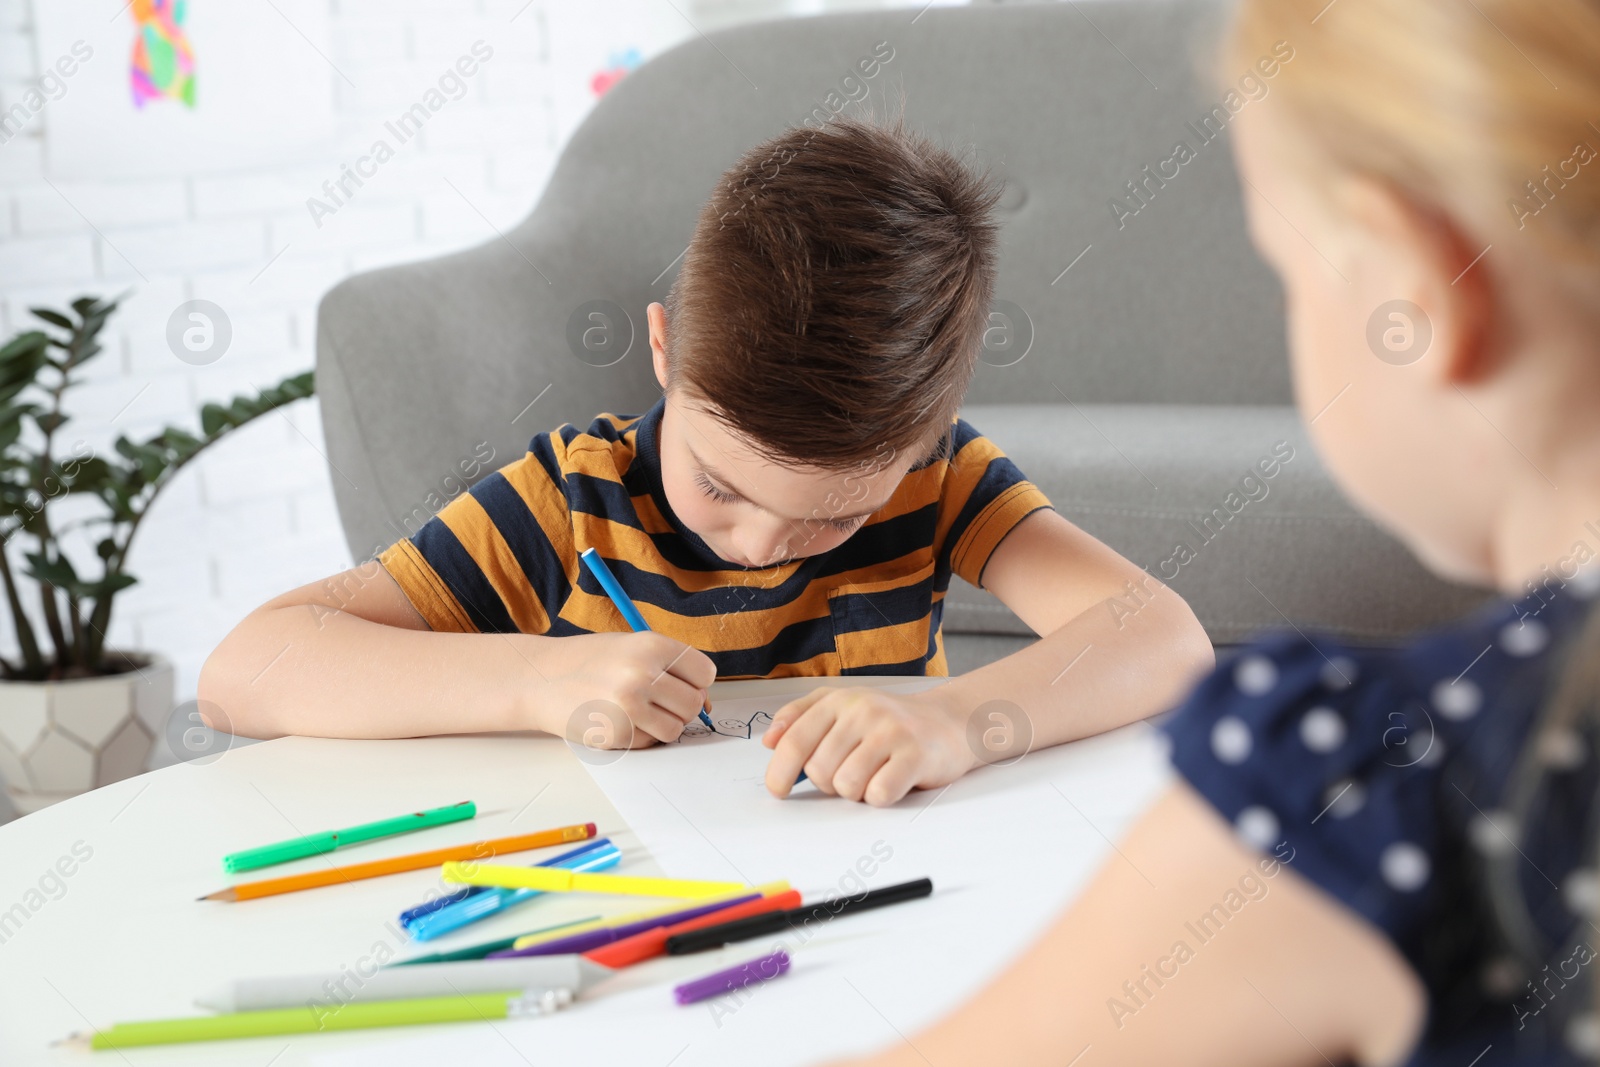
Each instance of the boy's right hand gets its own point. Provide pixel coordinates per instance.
(618, 690)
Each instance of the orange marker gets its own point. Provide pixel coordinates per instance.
(416, 861)
(649, 944)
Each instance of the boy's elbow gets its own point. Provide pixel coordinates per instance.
(223, 697)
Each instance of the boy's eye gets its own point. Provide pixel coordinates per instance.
(722, 497)
(712, 491)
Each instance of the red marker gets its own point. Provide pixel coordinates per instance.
(652, 943)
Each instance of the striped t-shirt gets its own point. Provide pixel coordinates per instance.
(503, 558)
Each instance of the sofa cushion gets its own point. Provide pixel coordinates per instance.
(1184, 492)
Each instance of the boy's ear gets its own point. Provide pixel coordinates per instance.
(1427, 258)
(656, 316)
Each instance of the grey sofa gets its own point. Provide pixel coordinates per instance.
(1135, 370)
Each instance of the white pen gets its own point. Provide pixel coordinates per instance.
(566, 974)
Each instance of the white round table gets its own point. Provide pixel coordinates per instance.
(99, 921)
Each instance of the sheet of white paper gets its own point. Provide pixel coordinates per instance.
(1006, 848)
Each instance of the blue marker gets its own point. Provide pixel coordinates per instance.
(481, 906)
(411, 915)
(613, 588)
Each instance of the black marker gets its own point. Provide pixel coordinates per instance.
(776, 921)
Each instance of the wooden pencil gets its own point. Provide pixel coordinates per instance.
(416, 861)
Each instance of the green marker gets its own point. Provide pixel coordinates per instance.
(316, 844)
(315, 1018)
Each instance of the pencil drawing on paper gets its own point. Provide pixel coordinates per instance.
(746, 722)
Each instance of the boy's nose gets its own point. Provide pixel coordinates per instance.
(763, 544)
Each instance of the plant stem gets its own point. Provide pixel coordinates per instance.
(99, 618)
(75, 617)
(65, 652)
(32, 661)
(52, 622)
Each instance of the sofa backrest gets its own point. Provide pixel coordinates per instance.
(1126, 272)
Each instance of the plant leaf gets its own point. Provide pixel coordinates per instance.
(213, 420)
(110, 585)
(54, 318)
(49, 421)
(23, 344)
(57, 571)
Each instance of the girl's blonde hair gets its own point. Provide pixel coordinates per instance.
(1485, 110)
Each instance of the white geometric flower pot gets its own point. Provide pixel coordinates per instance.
(59, 739)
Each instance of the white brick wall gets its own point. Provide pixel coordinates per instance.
(256, 515)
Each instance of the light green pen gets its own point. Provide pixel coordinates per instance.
(314, 1018)
(316, 844)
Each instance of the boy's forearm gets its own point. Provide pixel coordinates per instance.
(1100, 670)
(304, 669)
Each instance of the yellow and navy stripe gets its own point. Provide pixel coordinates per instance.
(503, 558)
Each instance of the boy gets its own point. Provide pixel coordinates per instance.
(794, 505)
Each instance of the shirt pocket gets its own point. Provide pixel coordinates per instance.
(882, 626)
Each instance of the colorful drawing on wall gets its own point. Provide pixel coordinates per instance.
(617, 66)
(163, 62)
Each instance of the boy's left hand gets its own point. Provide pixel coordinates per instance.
(864, 744)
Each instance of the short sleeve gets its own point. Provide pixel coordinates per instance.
(496, 558)
(1384, 776)
(1314, 754)
(982, 499)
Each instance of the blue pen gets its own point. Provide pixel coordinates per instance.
(411, 915)
(495, 901)
(609, 583)
(613, 588)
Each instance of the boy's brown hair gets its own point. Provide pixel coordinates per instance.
(833, 299)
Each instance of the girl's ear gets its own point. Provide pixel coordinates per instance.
(1420, 254)
(656, 316)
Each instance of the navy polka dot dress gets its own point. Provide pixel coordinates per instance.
(1382, 772)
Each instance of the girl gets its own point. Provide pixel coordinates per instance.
(1387, 855)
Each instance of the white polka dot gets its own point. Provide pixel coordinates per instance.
(1524, 637)
(1494, 833)
(1255, 675)
(1433, 755)
(1230, 740)
(1583, 1036)
(1562, 750)
(1339, 673)
(1405, 866)
(1459, 699)
(1258, 827)
(1586, 583)
(1580, 891)
(1322, 730)
(1344, 798)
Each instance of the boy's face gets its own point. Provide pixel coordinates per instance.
(755, 513)
(750, 511)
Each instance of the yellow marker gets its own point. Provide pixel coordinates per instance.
(556, 880)
(767, 889)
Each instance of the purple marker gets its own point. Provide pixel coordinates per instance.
(757, 970)
(592, 939)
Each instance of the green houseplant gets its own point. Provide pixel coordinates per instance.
(75, 714)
